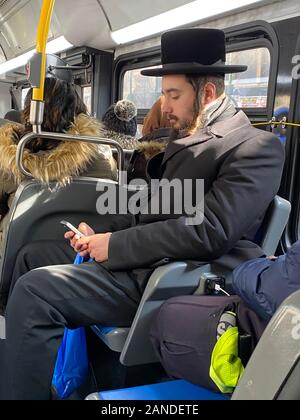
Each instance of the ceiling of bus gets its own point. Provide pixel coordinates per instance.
(18, 25)
(96, 18)
(133, 11)
(82, 22)
(87, 22)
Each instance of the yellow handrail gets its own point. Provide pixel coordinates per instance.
(282, 123)
(41, 43)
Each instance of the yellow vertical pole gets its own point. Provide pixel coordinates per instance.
(41, 43)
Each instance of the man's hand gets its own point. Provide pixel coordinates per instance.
(96, 246)
(73, 238)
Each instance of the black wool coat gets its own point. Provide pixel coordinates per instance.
(241, 167)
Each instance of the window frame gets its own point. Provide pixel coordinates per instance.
(256, 110)
(261, 35)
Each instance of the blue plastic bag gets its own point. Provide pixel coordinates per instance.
(72, 364)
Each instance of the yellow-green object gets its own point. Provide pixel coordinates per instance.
(226, 367)
(41, 43)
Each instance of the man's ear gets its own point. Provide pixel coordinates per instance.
(210, 94)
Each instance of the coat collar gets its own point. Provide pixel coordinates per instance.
(225, 127)
(218, 129)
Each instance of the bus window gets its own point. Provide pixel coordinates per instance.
(142, 91)
(87, 97)
(24, 93)
(249, 89)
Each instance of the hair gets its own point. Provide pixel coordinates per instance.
(199, 82)
(62, 105)
(121, 117)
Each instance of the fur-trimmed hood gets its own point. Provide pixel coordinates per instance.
(61, 163)
(151, 148)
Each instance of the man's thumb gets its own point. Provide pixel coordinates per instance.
(83, 227)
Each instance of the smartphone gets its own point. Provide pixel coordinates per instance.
(72, 228)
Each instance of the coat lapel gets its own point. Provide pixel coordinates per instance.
(180, 144)
(218, 129)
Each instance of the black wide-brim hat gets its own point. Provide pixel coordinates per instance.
(193, 51)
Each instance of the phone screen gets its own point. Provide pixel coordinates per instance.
(69, 226)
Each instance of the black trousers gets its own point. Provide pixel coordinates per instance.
(47, 299)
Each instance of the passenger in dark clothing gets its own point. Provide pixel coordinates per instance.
(264, 283)
(239, 164)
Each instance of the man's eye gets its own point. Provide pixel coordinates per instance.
(175, 98)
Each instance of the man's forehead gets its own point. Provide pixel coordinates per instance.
(173, 83)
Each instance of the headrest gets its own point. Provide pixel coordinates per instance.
(55, 67)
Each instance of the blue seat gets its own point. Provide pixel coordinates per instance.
(170, 390)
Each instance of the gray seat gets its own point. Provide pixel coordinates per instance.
(274, 369)
(181, 278)
(36, 212)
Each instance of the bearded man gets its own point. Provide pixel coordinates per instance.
(241, 168)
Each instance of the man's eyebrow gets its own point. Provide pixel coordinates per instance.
(170, 91)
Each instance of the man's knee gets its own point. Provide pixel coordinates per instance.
(35, 282)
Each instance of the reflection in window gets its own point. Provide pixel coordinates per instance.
(249, 89)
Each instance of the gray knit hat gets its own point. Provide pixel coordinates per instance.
(121, 118)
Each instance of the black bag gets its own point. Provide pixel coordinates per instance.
(184, 334)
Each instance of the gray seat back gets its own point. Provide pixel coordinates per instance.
(174, 279)
(273, 370)
(274, 224)
(36, 212)
(180, 278)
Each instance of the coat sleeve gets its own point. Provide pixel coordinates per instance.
(247, 182)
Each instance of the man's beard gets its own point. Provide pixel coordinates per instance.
(199, 117)
(185, 125)
(190, 127)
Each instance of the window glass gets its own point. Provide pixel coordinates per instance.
(87, 97)
(250, 88)
(24, 93)
(142, 91)
(247, 90)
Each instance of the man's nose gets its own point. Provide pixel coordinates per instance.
(166, 107)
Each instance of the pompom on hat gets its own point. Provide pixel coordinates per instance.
(121, 118)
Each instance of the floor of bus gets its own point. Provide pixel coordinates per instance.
(108, 373)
